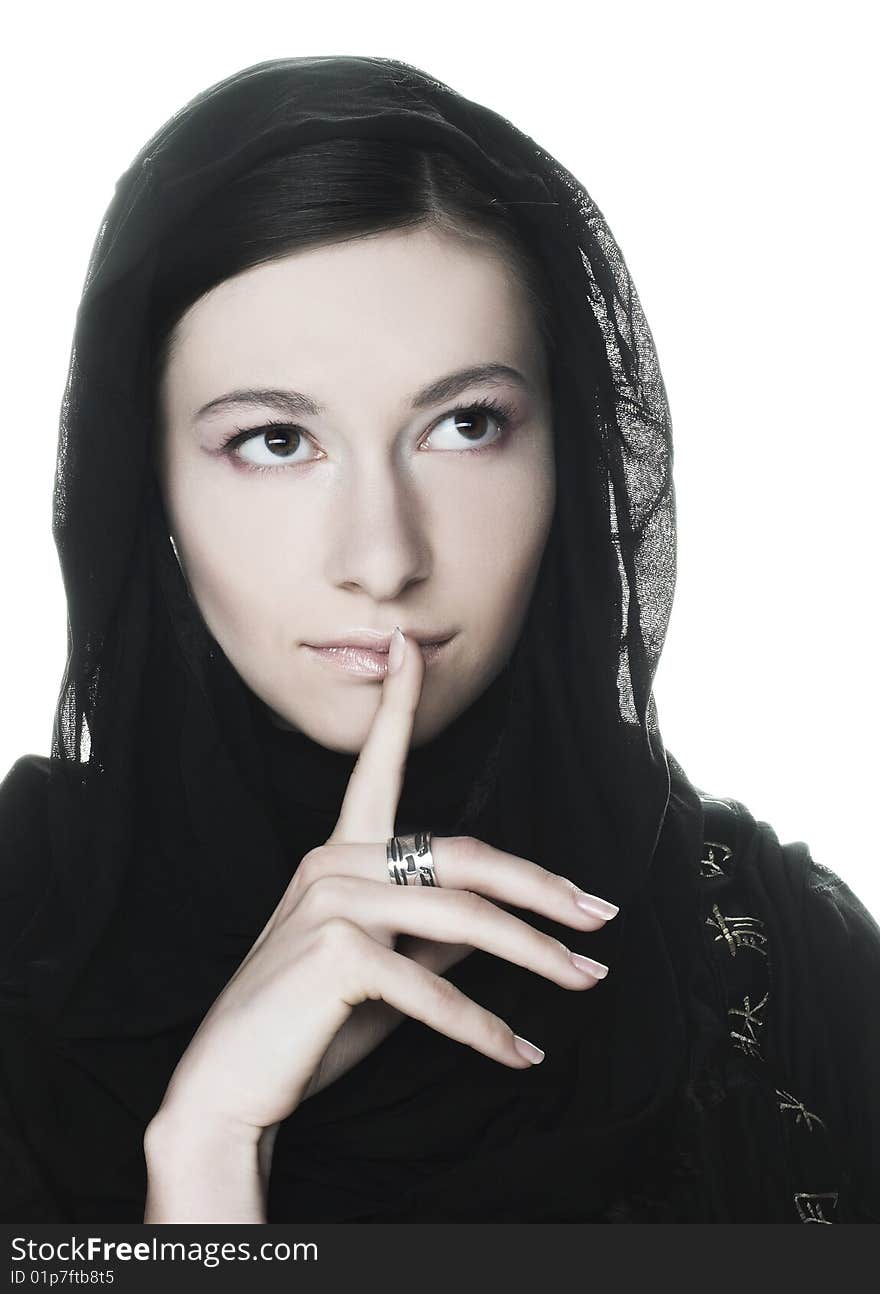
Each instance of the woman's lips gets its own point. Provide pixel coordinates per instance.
(370, 664)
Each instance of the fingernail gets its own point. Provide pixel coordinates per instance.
(587, 964)
(598, 907)
(528, 1049)
(396, 650)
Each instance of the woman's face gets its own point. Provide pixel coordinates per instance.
(382, 502)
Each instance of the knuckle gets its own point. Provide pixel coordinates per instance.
(557, 947)
(545, 876)
(323, 897)
(467, 848)
(500, 1031)
(310, 865)
(337, 933)
(567, 886)
(472, 914)
(446, 993)
(473, 905)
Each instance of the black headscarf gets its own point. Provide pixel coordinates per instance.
(178, 812)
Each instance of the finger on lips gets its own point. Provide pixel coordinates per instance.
(369, 808)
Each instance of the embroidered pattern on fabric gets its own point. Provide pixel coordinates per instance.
(747, 986)
(748, 1042)
(738, 932)
(716, 855)
(802, 1114)
(810, 1207)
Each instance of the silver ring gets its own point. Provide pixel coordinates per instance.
(410, 859)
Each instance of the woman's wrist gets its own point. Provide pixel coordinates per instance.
(199, 1171)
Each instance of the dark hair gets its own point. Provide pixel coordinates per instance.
(325, 193)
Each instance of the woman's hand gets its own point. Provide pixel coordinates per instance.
(346, 954)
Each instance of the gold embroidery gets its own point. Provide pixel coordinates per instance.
(748, 1042)
(810, 1209)
(738, 932)
(790, 1102)
(709, 866)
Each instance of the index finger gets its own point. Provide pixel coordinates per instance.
(371, 798)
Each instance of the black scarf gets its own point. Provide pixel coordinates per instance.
(178, 812)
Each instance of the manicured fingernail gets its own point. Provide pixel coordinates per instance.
(528, 1049)
(587, 964)
(396, 650)
(598, 907)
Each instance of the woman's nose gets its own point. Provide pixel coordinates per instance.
(380, 537)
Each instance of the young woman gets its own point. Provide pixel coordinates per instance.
(307, 918)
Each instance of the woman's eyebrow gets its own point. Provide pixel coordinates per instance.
(296, 403)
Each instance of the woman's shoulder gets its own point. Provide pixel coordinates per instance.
(798, 954)
(25, 784)
(746, 854)
(23, 812)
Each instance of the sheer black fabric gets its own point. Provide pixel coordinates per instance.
(143, 858)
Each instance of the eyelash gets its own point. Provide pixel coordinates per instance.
(501, 412)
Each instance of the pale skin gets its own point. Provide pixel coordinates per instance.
(387, 532)
(373, 513)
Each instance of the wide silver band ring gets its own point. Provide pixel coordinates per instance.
(410, 860)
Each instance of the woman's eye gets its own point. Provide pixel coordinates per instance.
(268, 447)
(470, 425)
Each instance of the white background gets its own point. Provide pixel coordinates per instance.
(732, 150)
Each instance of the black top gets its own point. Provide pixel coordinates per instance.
(777, 1119)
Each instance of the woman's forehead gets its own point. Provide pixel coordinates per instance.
(398, 277)
(391, 313)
